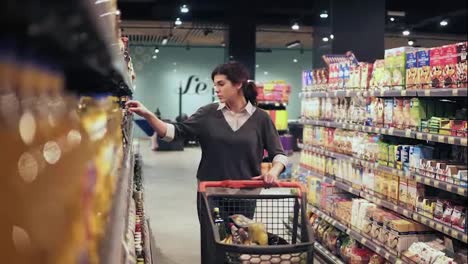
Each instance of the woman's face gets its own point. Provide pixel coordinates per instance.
(225, 89)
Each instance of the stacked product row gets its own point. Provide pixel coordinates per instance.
(402, 68)
(274, 91)
(444, 117)
(396, 234)
(341, 244)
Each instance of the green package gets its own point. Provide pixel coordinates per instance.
(383, 153)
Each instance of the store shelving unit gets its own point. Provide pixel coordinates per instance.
(396, 208)
(458, 92)
(369, 243)
(323, 252)
(406, 133)
(460, 190)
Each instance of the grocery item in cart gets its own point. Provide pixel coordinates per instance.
(241, 221)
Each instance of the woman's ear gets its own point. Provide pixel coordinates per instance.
(238, 86)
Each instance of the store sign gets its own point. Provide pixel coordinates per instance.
(194, 86)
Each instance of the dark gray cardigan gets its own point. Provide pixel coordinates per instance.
(228, 154)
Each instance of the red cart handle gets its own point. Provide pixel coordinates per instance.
(240, 184)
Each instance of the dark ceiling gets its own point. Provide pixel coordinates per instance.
(420, 15)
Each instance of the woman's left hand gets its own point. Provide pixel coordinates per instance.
(269, 178)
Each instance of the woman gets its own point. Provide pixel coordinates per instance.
(233, 134)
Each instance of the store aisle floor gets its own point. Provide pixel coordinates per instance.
(170, 193)
(170, 201)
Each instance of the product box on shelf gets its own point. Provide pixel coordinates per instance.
(417, 112)
(462, 65)
(391, 155)
(458, 128)
(368, 181)
(388, 112)
(436, 62)
(449, 63)
(403, 233)
(399, 67)
(406, 113)
(417, 153)
(425, 206)
(393, 190)
(403, 192)
(385, 231)
(386, 81)
(423, 79)
(398, 113)
(411, 70)
(415, 189)
(366, 74)
(377, 75)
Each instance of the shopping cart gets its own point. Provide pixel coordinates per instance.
(281, 213)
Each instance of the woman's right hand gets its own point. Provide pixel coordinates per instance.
(138, 108)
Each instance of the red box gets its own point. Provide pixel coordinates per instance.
(458, 128)
(436, 62)
(450, 66)
(462, 64)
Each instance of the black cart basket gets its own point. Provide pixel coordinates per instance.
(283, 215)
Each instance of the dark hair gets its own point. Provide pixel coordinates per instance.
(238, 73)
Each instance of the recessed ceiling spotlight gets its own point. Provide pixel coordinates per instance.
(295, 26)
(406, 33)
(325, 39)
(184, 9)
(332, 36)
(156, 50)
(324, 14)
(178, 22)
(164, 41)
(295, 60)
(392, 19)
(256, 66)
(410, 42)
(155, 57)
(443, 23)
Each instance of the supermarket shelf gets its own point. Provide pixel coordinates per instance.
(147, 244)
(441, 227)
(112, 246)
(408, 213)
(458, 92)
(406, 133)
(356, 235)
(453, 188)
(327, 254)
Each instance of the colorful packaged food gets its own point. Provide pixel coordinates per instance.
(462, 64)
(449, 63)
(411, 70)
(436, 62)
(423, 79)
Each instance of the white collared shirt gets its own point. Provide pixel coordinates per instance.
(235, 121)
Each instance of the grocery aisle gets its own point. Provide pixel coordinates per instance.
(170, 193)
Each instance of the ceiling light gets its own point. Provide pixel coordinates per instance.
(324, 14)
(332, 36)
(223, 44)
(184, 9)
(293, 44)
(295, 60)
(295, 26)
(396, 13)
(406, 33)
(443, 23)
(392, 19)
(156, 50)
(256, 66)
(325, 39)
(178, 22)
(164, 41)
(410, 42)
(266, 73)
(155, 57)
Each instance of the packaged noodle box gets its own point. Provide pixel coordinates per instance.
(411, 69)
(436, 62)
(423, 79)
(449, 63)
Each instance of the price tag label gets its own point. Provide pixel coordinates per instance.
(451, 140)
(455, 92)
(438, 226)
(405, 212)
(461, 190)
(387, 255)
(408, 132)
(395, 207)
(419, 135)
(464, 141)
(441, 138)
(437, 184)
(328, 124)
(348, 93)
(427, 181)
(363, 240)
(382, 93)
(403, 93)
(390, 131)
(427, 92)
(350, 189)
